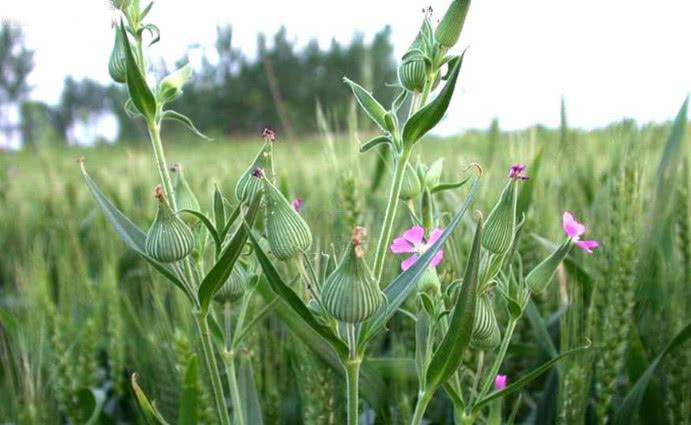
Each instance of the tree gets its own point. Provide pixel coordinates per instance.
(16, 63)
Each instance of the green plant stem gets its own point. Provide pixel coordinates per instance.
(159, 156)
(229, 360)
(422, 402)
(499, 359)
(352, 367)
(390, 214)
(212, 369)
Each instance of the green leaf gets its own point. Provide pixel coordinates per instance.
(544, 340)
(233, 216)
(150, 413)
(449, 355)
(398, 101)
(525, 197)
(219, 273)
(154, 32)
(169, 114)
(442, 187)
(404, 284)
(372, 387)
(626, 413)
(292, 300)
(128, 232)
(524, 380)
(374, 142)
(369, 104)
(140, 93)
(429, 116)
(209, 226)
(189, 396)
(248, 393)
(219, 208)
(8, 320)
(89, 405)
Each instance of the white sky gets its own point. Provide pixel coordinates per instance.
(610, 58)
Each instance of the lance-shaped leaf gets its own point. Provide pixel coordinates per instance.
(209, 226)
(229, 223)
(140, 93)
(369, 104)
(189, 395)
(128, 232)
(150, 413)
(449, 355)
(374, 142)
(429, 116)
(184, 120)
(219, 273)
(627, 412)
(524, 380)
(292, 300)
(249, 398)
(403, 285)
(219, 208)
(372, 387)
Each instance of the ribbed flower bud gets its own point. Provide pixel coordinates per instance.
(411, 186)
(171, 86)
(117, 65)
(412, 73)
(350, 293)
(169, 239)
(486, 334)
(248, 185)
(500, 226)
(449, 29)
(287, 232)
(234, 286)
(540, 277)
(184, 197)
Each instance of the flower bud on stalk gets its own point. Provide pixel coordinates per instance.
(169, 239)
(184, 197)
(449, 29)
(412, 73)
(411, 186)
(248, 185)
(234, 286)
(540, 277)
(500, 227)
(350, 293)
(171, 86)
(486, 334)
(117, 65)
(287, 232)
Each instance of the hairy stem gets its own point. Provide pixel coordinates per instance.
(238, 414)
(390, 214)
(352, 367)
(212, 369)
(422, 402)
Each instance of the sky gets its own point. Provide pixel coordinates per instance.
(609, 59)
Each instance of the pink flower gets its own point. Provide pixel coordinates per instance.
(500, 382)
(516, 172)
(269, 135)
(575, 230)
(297, 204)
(413, 241)
(258, 173)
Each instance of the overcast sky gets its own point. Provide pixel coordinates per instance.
(610, 59)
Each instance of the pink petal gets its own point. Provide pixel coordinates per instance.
(408, 262)
(414, 235)
(400, 246)
(588, 246)
(500, 382)
(434, 236)
(437, 258)
(572, 228)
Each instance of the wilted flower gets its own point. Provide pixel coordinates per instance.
(258, 173)
(575, 230)
(269, 135)
(500, 382)
(516, 172)
(297, 204)
(413, 241)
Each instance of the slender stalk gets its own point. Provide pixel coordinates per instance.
(159, 156)
(422, 402)
(352, 367)
(212, 369)
(390, 213)
(499, 359)
(229, 361)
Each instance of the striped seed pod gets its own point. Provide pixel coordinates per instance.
(351, 294)
(184, 197)
(412, 73)
(449, 29)
(486, 334)
(287, 232)
(117, 65)
(540, 277)
(169, 239)
(234, 286)
(500, 226)
(248, 185)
